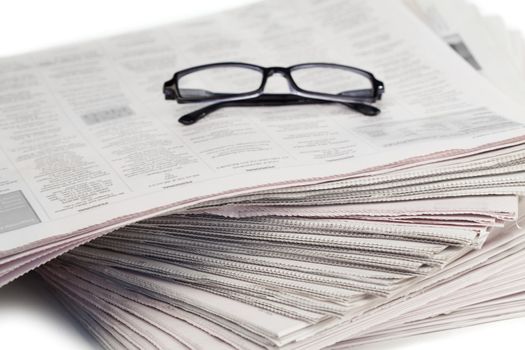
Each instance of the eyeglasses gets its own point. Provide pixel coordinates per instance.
(235, 84)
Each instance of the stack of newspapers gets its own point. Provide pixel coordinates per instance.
(293, 227)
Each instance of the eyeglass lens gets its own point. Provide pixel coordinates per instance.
(211, 81)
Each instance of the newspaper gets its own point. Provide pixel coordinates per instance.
(290, 227)
(70, 168)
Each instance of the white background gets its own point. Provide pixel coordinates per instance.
(30, 318)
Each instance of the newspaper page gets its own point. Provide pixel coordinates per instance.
(87, 142)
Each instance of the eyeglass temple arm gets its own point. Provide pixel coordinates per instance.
(273, 100)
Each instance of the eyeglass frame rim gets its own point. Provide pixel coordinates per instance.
(172, 92)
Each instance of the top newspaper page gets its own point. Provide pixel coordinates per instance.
(88, 144)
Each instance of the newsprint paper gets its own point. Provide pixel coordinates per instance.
(294, 227)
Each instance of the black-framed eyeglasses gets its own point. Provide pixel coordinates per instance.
(232, 84)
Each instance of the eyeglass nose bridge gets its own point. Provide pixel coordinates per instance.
(283, 72)
(279, 70)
